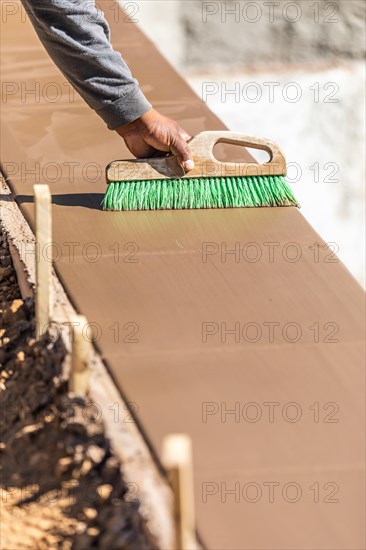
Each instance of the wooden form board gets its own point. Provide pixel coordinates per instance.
(178, 300)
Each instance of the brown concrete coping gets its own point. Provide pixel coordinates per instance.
(277, 419)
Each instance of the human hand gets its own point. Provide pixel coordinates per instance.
(153, 132)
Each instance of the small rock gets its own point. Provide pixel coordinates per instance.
(63, 464)
(15, 312)
(104, 491)
(16, 305)
(31, 428)
(95, 453)
(49, 418)
(90, 513)
(93, 532)
(80, 527)
(86, 467)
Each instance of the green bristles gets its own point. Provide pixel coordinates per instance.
(219, 192)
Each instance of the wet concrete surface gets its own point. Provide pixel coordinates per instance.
(199, 313)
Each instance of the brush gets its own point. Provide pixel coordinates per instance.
(160, 183)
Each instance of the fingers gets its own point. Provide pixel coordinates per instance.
(138, 147)
(180, 149)
(153, 134)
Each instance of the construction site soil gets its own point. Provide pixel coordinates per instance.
(61, 486)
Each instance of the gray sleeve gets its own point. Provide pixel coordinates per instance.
(76, 36)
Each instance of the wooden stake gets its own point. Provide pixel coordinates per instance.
(177, 460)
(79, 376)
(43, 262)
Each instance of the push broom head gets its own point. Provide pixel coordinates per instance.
(160, 183)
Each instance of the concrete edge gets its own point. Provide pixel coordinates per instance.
(128, 444)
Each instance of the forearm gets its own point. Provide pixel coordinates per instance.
(76, 36)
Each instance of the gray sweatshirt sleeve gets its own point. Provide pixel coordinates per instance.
(76, 36)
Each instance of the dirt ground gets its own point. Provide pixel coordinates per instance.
(61, 487)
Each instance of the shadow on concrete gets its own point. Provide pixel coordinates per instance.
(85, 200)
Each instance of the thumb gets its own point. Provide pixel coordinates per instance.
(180, 149)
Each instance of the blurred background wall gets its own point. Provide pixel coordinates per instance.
(290, 71)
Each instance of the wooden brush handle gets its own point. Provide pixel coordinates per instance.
(202, 146)
(205, 164)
